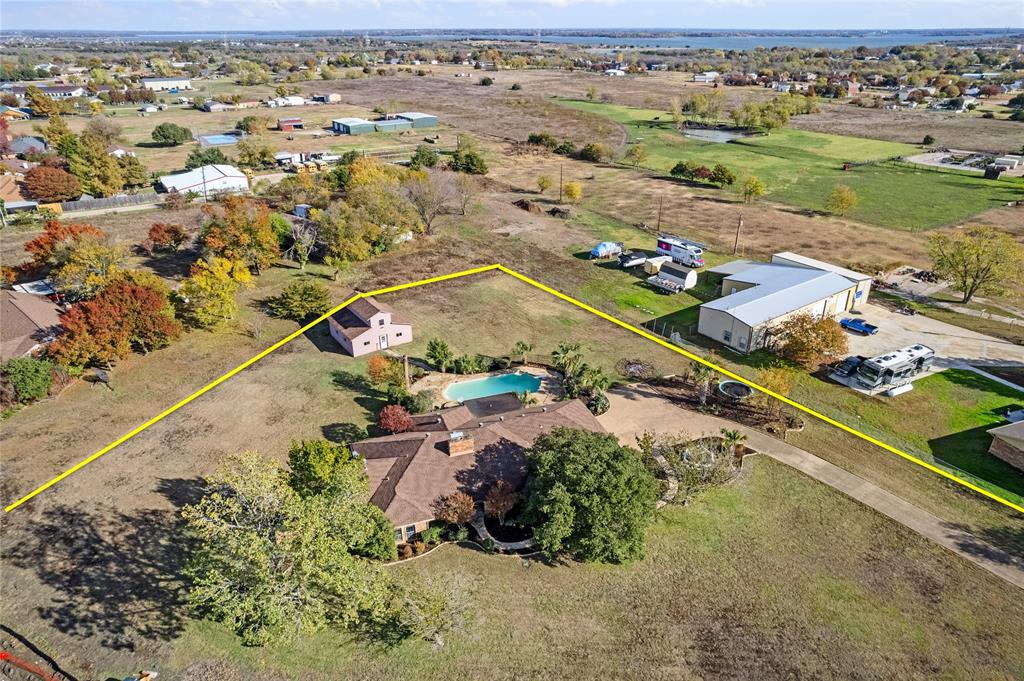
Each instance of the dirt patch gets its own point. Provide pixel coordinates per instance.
(957, 131)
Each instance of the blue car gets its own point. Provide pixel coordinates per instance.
(858, 326)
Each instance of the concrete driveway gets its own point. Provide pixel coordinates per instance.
(953, 345)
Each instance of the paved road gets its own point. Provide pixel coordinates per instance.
(637, 409)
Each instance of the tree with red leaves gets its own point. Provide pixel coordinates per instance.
(395, 419)
(500, 499)
(167, 235)
(5, 137)
(126, 315)
(52, 185)
(52, 247)
(456, 508)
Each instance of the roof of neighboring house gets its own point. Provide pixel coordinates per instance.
(1011, 433)
(20, 145)
(352, 121)
(409, 471)
(194, 178)
(12, 111)
(170, 79)
(17, 166)
(10, 189)
(821, 265)
(777, 291)
(29, 320)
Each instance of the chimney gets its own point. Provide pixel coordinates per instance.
(460, 443)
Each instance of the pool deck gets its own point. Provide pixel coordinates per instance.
(550, 383)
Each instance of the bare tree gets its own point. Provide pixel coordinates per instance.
(430, 192)
(467, 187)
(304, 239)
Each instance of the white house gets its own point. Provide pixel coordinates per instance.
(206, 180)
(706, 77)
(166, 84)
(365, 326)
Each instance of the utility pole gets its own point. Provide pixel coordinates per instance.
(661, 200)
(736, 244)
(560, 165)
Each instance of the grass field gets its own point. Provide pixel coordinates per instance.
(774, 576)
(800, 168)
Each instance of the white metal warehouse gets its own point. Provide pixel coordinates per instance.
(757, 297)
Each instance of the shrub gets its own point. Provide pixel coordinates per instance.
(542, 139)
(405, 551)
(516, 86)
(30, 378)
(598, 404)
(487, 81)
(566, 148)
(166, 235)
(395, 419)
(418, 403)
(593, 152)
(472, 364)
(488, 545)
(928, 140)
(418, 547)
(431, 535)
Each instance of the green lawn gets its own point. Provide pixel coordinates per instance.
(801, 168)
(749, 581)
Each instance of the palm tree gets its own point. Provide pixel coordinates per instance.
(732, 439)
(702, 376)
(568, 358)
(520, 349)
(594, 379)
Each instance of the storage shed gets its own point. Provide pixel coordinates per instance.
(352, 126)
(290, 123)
(393, 125)
(419, 120)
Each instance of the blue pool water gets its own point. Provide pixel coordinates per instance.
(217, 140)
(492, 385)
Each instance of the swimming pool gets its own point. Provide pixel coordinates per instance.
(517, 382)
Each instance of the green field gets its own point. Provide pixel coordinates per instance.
(772, 577)
(801, 168)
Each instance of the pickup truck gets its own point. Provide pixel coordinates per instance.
(858, 326)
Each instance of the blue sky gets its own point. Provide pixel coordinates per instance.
(179, 15)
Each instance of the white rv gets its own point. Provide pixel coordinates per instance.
(682, 251)
(894, 368)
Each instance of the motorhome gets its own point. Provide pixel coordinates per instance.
(894, 368)
(682, 251)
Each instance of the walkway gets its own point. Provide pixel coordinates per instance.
(481, 531)
(639, 408)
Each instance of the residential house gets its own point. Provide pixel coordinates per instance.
(53, 91)
(706, 77)
(29, 322)
(213, 106)
(758, 297)
(13, 114)
(462, 449)
(366, 325)
(1008, 444)
(28, 144)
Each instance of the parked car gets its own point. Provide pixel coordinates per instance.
(849, 365)
(606, 249)
(632, 259)
(858, 326)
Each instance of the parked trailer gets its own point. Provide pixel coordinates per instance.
(682, 251)
(894, 368)
(632, 259)
(653, 265)
(666, 285)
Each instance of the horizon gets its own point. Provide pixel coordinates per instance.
(261, 16)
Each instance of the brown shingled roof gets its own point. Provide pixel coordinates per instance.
(28, 320)
(409, 471)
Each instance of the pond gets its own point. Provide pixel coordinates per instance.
(517, 382)
(719, 135)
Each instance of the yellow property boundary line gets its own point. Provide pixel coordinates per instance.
(547, 289)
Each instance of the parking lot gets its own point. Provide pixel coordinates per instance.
(952, 344)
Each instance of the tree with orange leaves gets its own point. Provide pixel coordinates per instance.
(53, 247)
(240, 230)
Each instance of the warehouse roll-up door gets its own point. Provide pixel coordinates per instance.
(819, 309)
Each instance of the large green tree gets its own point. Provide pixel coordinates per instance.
(269, 562)
(978, 260)
(588, 496)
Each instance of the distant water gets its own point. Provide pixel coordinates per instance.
(713, 39)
